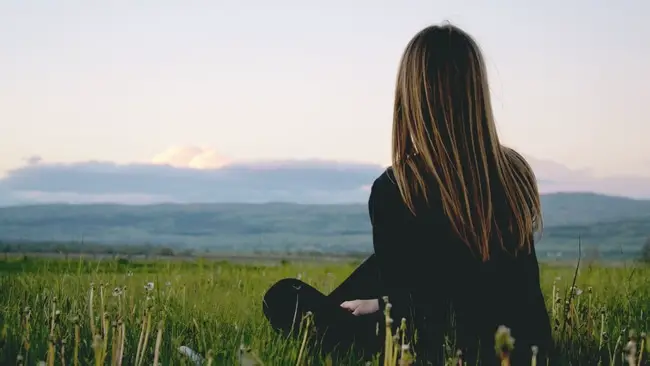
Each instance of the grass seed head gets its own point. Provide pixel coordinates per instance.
(504, 343)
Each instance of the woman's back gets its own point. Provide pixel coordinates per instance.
(444, 289)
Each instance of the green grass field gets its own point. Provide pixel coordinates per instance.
(146, 311)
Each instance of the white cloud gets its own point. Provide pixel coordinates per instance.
(191, 157)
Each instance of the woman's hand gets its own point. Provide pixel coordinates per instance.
(361, 307)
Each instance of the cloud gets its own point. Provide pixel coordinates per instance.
(191, 157)
(293, 181)
(190, 174)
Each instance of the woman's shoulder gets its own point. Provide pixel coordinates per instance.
(384, 189)
(385, 201)
(385, 182)
(386, 193)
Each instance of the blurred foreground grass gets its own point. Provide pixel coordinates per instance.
(145, 312)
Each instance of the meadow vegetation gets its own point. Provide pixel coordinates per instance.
(80, 312)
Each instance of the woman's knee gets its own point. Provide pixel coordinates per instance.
(283, 288)
(279, 303)
(282, 293)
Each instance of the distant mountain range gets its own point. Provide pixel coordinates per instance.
(616, 226)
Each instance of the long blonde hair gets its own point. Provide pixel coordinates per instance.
(443, 128)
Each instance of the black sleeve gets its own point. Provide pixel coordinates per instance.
(388, 233)
(362, 283)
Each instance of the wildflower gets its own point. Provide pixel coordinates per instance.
(630, 350)
(149, 286)
(247, 357)
(117, 291)
(129, 274)
(534, 350)
(191, 354)
(576, 291)
(504, 343)
(459, 356)
(632, 334)
(407, 358)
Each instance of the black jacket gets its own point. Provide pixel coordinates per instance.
(433, 281)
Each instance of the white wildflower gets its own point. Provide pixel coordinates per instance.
(117, 291)
(191, 354)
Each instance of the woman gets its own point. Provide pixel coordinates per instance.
(453, 221)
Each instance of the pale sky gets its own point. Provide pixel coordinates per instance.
(125, 80)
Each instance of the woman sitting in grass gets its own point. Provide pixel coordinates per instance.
(453, 223)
